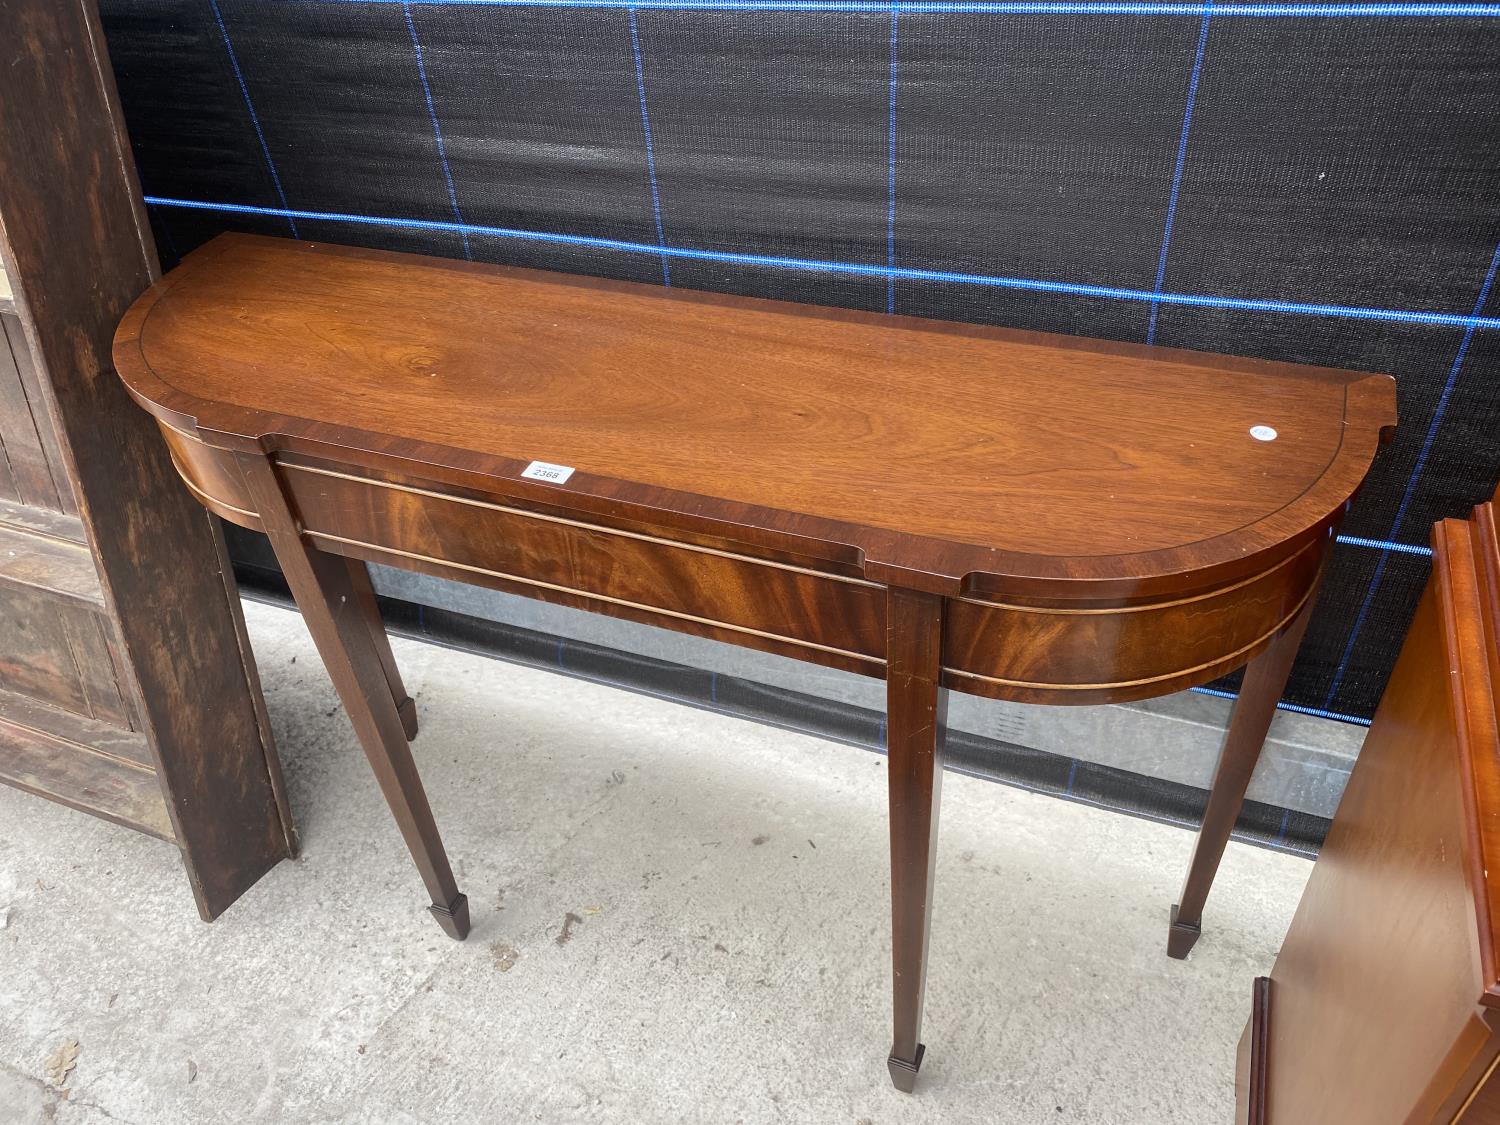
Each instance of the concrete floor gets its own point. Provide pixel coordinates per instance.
(726, 962)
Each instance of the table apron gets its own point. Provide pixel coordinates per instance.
(1055, 654)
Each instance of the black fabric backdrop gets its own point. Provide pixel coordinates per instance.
(1194, 174)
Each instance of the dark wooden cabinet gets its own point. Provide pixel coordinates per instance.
(34, 473)
(69, 726)
(126, 686)
(1384, 1004)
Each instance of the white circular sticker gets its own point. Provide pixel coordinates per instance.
(1262, 433)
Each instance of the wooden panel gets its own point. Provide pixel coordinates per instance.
(56, 651)
(43, 521)
(97, 737)
(20, 414)
(36, 654)
(47, 564)
(9, 490)
(82, 763)
(1375, 1011)
(104, 672)
(57, 459)
(76, 244)
(750, 599)
(1077, 654)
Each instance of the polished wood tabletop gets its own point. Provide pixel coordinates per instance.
(933, 449)
(1014, 515)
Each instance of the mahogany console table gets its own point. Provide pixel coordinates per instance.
(1021, 516)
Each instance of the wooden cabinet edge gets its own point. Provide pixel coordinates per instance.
(1250, 1058)
(1463, 563)
(1442, 712)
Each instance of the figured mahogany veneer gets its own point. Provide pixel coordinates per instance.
(1008, 514)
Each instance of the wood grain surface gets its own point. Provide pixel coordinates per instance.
(1383, 1001)
(933, 451)
(76, 245)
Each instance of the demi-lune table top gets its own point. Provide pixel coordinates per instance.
(928, 451)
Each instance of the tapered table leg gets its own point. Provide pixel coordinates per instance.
(364, 595)
(1265, 680)
(327, 593)
(916, 707)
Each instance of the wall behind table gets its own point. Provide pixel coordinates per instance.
(1307, 183)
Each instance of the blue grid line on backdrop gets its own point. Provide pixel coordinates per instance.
(260, 133)
(983, 7)
(891, 272)
(1384, 545)
(437, 129)
(890, 177)
(1145, 296)
(640, 87)
(1416, 475)
(1182, 146)
(1283, 705)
